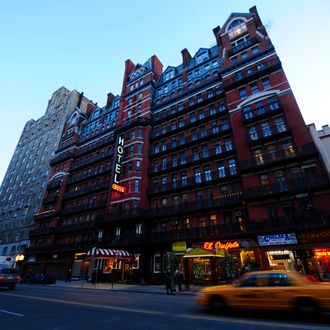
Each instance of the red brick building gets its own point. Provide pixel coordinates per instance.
(213, 153)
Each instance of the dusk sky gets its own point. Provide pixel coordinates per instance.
(83, 45)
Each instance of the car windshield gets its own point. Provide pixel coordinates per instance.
(9, 271)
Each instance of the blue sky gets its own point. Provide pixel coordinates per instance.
(83, 45)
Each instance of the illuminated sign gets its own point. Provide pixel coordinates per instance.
(225, 245)
(117, 165)
(118, 188)
(278, 239)
(179, 246)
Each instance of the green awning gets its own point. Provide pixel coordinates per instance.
(198, 252)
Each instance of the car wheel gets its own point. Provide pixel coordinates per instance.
(307, 309)
(217, 305)
(11, 287)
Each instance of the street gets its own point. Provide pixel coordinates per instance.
(34, 307)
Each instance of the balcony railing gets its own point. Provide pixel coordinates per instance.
(54, 183)
(211, 232)
(262, 111)
(252, 73)
(134, 121)
(238, 48)
(194, 138)
(88, 175)
(78, 246)
(90, 160)
(299, 185)
(184, 107)
(75, 227)
(207, 177)
(84, 207)
(120, 215)
(267, 133)
(41, 232)
(222, 151)
(191, 207)
(95, 145)
(201, 117)
(50, 199)
(44, 215)
(87, 190)
(61, 157)
(293, 152)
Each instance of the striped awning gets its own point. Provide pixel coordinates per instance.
(108, 253)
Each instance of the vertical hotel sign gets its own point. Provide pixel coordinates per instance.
(119, 152)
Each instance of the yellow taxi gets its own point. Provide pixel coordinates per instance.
(273, 290)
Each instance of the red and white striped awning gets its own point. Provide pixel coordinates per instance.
(108, 253)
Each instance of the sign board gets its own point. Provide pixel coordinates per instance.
(223, 245)
(278, 239)
(179, 246)
(119, 153)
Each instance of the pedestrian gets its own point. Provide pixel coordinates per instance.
(68, 276)
(168, 283)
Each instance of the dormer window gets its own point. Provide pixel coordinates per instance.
(236, 28)
(169, 75)
(202, 57)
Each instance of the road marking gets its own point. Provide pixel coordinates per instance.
(121, 309)
(249, 322)
(12, 313)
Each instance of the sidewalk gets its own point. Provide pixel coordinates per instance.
(145, 288)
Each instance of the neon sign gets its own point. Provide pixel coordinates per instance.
(226, 245)
(117, 166)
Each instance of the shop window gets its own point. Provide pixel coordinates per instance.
(157, 263)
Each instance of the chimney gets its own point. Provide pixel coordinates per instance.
(186, 57)
(80, 99)
(109, 99)
(216, 32)
(90, 108)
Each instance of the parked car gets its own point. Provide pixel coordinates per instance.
(9, 277)
(271, 290)
(37, 278)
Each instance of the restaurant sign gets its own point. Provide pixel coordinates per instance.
(223, 245)
(278, 239)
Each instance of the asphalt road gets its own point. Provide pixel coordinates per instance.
(33, 307)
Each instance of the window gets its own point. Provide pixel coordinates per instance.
(280, 125)
(254, 88)
(232, 166)
(138, 165)
(255, 50)
(253, 134)
(198, 175)
(183, 179)
(164, 163)
(242, 93)
(244, 55)
(207, 173)
(221, 170)
(217, 147)
(266, 83)
(138, 229)
(118, 229)
(264, 179)
(266, 130)
(136, 185)
(157, 263)
(228, 144)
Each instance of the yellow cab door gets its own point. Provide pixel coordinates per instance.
(252, 292)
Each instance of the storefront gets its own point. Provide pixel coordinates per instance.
(220, 261)
(107, 265)
(279, 250)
